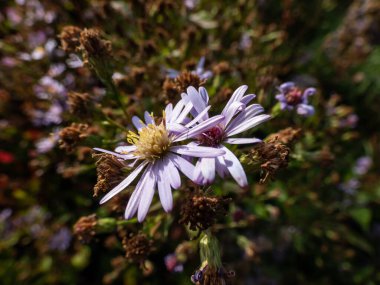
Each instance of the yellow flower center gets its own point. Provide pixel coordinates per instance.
(151, 142)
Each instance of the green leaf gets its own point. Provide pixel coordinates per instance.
(362, 216)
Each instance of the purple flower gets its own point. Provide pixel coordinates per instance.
(238, 117)
(172, 263)
(52, 116)
(61, 240)
(190, 4)
(350, 187)
(362, 165)
(46, 144)
(292, 97)
(158, 157)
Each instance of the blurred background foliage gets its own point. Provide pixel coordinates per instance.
(317, 221)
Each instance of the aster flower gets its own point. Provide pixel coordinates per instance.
(157, 156)
(238, 117)
(292, 97)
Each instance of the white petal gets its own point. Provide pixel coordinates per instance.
(208, 169)
(168, 112)
(235, 168)
(242, 140)
(198, 118)
(172, 174)
(138, 123)
(123, 156)
(164, 190)
(248, 98)
(251, 123)
(196, 99)
(236, 96)
(220, 166)
(197, 175)
(234, 108)
(177, 110)
(198, 129)
(182, 164)
(146, 196)
(204, 94)
(197, 151)
(182, 116)
(125, 149)
(148, 118)
(175, 128)
(122, 185)
(134, 200)
(248, 113)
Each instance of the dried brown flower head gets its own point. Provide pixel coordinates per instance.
(210, 275)
(186, 79)
(84, 228)
(94, 45)
(201, 210)
(222, 67)
(286, 136)
(171, 91)
(79, 103)
(137, 247)
(270, 156)
(70, 38)
(70, 136)
(110, 171)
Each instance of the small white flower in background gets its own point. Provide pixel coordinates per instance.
(154, 152)
(238, 117)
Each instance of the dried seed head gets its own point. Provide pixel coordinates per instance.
(79, 103)
(137, 247)
(186, 79)
(70, 38)
(221, 68)
(201, 211)
(70, 136)
(171, 91)
(94, 45)
(84, 228)
(270, 156)
(210, 275)
(110, 171)
(286, 136)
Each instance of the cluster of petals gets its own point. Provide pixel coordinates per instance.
(187, 121)
(238, 116)
(291, 97)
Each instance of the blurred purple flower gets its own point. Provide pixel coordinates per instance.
(44, 145)
(245, 41)
(172, 263)
(61, 240)
(190, 4)
(292, 97)
(349, 122)
(351, 186)
(362, 165)
(52, 116)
